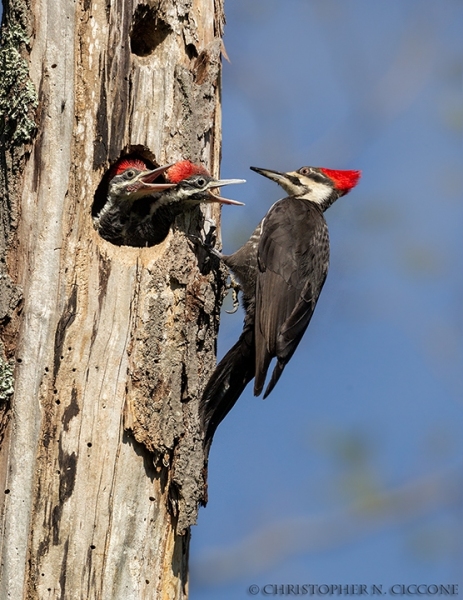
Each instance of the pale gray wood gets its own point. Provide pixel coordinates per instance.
(102, 456)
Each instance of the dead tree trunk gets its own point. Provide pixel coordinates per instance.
(107, 348)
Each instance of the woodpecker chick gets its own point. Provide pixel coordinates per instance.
(281, 270)
(130, 182)
(140, 212)
(195, 184)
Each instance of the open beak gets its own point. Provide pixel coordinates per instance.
(220, 183)
(147, 177)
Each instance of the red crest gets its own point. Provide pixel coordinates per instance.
(343, 180)
(128, 163)
(184, 169)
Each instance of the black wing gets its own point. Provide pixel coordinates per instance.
(293, 260)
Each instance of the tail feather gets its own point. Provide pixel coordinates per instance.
(232, 374)
(262, 365)
(277, 371)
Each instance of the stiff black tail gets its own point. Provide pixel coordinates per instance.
(277, 371)
(232, 374)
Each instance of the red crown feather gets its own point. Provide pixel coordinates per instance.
(184, 169)
(128, 163)
(343, 180)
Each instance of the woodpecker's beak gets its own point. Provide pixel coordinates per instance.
(290, 181)
(216, 183)
(273, 175)
(147, 177)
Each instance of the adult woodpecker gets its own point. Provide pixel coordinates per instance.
(281, 270)
(139, 210)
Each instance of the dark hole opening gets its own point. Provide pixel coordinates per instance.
(148, 30)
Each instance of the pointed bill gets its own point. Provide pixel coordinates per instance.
(273, 175)
(220, 183)
(147, 177)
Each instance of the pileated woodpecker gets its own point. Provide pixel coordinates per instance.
(139, 211)
(281, 270)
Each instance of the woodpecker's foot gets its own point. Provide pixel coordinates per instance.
(196, 239)
(207, 237)
(209, 231)
(235, 287)
(206, 244)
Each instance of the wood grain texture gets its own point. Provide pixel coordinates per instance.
(102, 456)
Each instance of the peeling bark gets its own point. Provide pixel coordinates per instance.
(101, 451)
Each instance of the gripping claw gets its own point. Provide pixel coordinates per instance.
(235, 287)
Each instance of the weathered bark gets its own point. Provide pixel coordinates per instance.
(101, 457)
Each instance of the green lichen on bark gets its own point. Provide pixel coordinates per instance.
(6, 393)
(6, 381)
(18, 97)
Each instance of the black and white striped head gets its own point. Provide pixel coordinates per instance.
(131, 179)
(195, 184)
(316, 184)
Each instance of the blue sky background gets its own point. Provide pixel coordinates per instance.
(351, 471)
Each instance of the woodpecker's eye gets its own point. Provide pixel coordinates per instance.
(130, 174)
(304, 171)
(201, 182)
